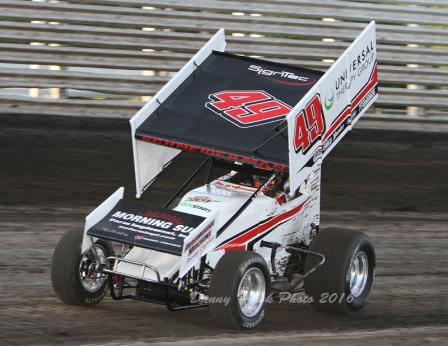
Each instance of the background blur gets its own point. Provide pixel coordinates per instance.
(105, 58)
(73, 72)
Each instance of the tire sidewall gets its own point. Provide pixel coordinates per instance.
(329, 285)
(354, 304)
(243, 320)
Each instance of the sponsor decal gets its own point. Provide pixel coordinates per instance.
(151, 224)
(317, 155)
(194, 206)
(199, 242)
(211, 152)
(161, 215)
(200, 199)
(309, 125)
(115, 232)
(247, 108)
(355, 70)
(233, 187)
(329, 99)
(134, 223)
(365, 101)
(282, 77)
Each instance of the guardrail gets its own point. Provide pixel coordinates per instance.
(106, 58)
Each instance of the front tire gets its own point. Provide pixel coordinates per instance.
(344, 282)
(239, 287)
(69, 276)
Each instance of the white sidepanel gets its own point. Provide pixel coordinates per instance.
(98, 214)
(142, 175)
(198, 243)
(323, 116)
(261, 208)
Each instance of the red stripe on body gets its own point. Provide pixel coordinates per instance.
(240, 242)
(369, 87)
(338, 122)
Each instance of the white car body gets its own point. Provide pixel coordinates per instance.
(264, 218)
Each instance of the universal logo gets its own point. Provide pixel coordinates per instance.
(358, 65)
(329, 99)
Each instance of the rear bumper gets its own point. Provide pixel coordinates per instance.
(116, 262)
(158, 291)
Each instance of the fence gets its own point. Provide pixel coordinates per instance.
(106, 58)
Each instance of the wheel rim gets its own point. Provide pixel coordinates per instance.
(92, 282)
(251, 292)
(359, 273)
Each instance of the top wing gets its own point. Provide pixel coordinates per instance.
(145, 170)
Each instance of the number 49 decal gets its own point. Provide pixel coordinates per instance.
(247, 108)
(253, 108)
(309, 125)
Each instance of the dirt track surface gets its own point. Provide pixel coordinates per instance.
(392, 185)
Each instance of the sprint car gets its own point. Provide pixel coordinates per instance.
(244, 227)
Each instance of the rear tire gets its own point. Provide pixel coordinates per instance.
(239, 287)
(344, 282)
(66, 271)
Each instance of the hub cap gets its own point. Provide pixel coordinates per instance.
(92, 281)
(359, 272)
(251, 292)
